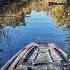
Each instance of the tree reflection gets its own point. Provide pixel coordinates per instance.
(61, 14)
(14, 14)
(11, 21)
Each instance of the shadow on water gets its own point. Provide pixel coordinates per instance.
(22, 23)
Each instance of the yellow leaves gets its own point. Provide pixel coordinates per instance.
(57, 14)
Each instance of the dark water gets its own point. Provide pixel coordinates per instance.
(39, 27)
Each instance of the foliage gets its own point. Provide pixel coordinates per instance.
(14, 12)
(57, 14)
(61, 14)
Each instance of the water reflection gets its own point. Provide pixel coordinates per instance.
(35, 21)
(12, 14)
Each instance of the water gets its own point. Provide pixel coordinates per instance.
(39, 27)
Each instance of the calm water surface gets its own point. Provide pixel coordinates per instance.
(39, 27)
